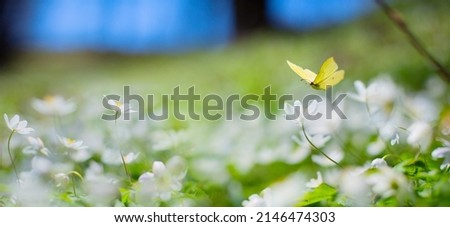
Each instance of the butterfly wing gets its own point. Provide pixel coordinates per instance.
(305, 74)
(328, 67)
(332, 80)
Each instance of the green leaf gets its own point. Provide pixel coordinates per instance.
(413, 167)
(387, 202)
(321, 193)
(125, 195)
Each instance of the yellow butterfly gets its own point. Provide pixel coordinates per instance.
(327, 76)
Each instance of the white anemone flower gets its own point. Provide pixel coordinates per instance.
(395, 140)
(72, 143)
(420, 135)
(114, 157)
(120, 106)
(443, 152)
(294, 112)
(102, 188)
(261, 200)
(79, 151)
(318, 121)
(16, 125)
(36, 146)
(163, 180)
(422, 107)
(388, 182)
(376, 147)
(61, 179)
(379, 94)
(53, 105)
(361, 92)
(314, 183)
(378, 162)
(353, 185)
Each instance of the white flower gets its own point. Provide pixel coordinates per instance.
(101, 189)
(422, 107)
(61, 179)
(443, 152)
(79, 152)
(36, 145)
(387, 182)
(296, 155)
(353, 185)
(280, 194)
(164, 180)
(285, 193)
(94, 170)
(318, 122)
(53, 105)
(72, 143)
(387, 129)
(319, 140)
(262, 200)
(361, 92)
(122, 107)
(420, 135)
(380, 94)
(314, 183)
(293, 112)
(32, 191)
(16, 125)
(376, 147)
(395, 140)
(378, 162)
(113, 157)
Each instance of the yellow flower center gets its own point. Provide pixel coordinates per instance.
(49, 98)
(70, 141)
(118, 103)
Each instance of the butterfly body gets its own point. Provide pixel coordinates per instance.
(315, 86)
(328, 75)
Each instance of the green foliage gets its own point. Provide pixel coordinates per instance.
(323, 193)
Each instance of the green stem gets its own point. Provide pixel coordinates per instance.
(419, 152)
(125, 166)
(316, 148)
(115, 117)
(121, 155)
(395, 17)
(446, 170)
(10, 155)
(73, 186)
(72, 175)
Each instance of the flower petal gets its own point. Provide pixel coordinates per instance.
(14, 121)
(158, 168)
(7, 121)
(441, 152)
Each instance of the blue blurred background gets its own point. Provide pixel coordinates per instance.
(159, 26)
